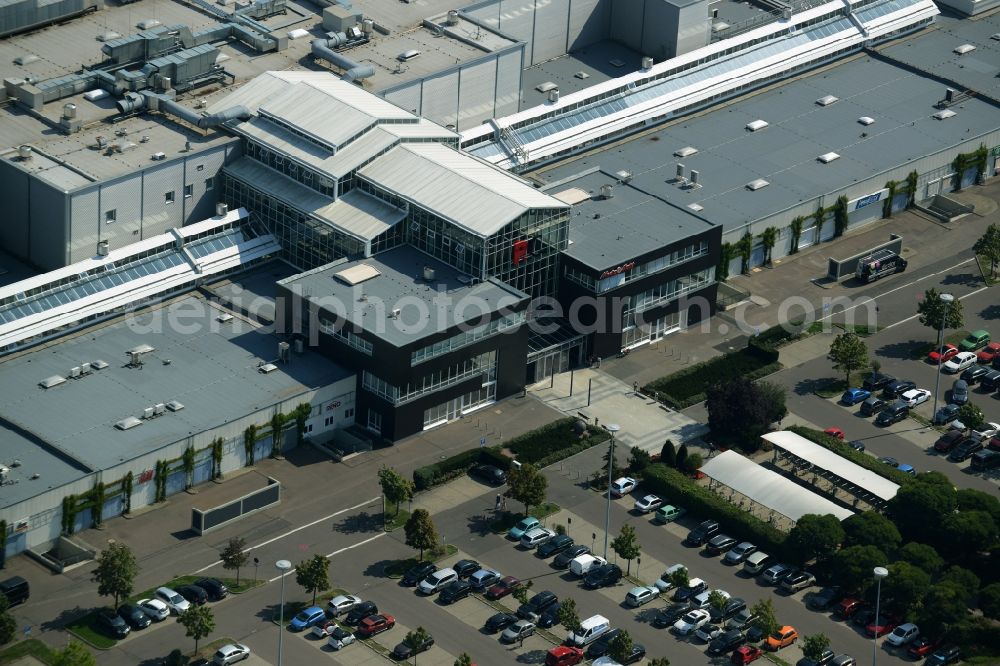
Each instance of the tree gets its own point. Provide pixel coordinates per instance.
(967, 532)
(521, 593)
(659, 661)
(963, 580)
(395, 487)
(921, 555)
(234, 555)
(971, 416)
(314, 575)
(8, 625)
(668, 455)
(766, 620)
(420, 532)
(115, 572)
(681, 457)
(989, 601)
(875, 365)
(612, 463)
(814, 537)
(463, 660)
(638, 459)
(74, 654)
(848, 352)
(814, 646)
(976, 500)
(679, 578)
(717, 600)
(904, 588)
(176, 658)
(768, 238)
(626, 545)
(988, 245)
(693, 463)
(740, 411)
(567, 615)
(527, 485)
(944, 606)
(871, 529)
(620, 648)
(932, 308)
(199, 621)
(744, 250)
(415, 640)
(852, 567)
(921, 503)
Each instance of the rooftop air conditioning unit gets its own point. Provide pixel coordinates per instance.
(395, 313)
(647, 62)
(147, 413)
(159, 408)
(102, 248)
(85, 368)
(221, 209)
(607, 191)
(74, 372)
(429, 273)
(157, 156)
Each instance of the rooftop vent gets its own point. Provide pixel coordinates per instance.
(755, 125)
(147, 24)
(755, 185)
(174, 406)
(686, 151)
(607, 191)
(157, 156)
(128, 423)
(224, 317)
(719, 26)
(964, 48)
(357, 274)
(826, 158)
(141, 349)
(267, 368)
(582, 75)
(545, 87)
(866, 120)
(99, 364)
(996, 36)
(429, 274)
(941, 115)
(696, 207)
(49, 382)
(108, 36)
(24, 152)
(826, 100)
(25, 59)
(624, 176)
(647, 62)
(554, 95)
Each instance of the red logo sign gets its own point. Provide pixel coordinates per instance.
(146, 476)
(520, 251)
(624, 268)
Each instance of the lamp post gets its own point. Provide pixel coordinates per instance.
(946, 300)
(612, 428)
(283, 566)
(880, 573)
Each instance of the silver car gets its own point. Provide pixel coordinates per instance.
(230, 654)
(517, 631)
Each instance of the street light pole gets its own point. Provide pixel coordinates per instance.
(946, 300)
(612, 428)
(283, 566)
(880, 573)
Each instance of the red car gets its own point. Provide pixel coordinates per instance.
(835, 432)
(563, 656)
(943, 355)
(505, 586)
(923, 646)
(375, 624)
(989, 353)
(995, 443)
(880, 626)
(744, 654)
(848, 607)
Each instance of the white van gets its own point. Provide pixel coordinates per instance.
(579, 566)
(756, 563)
(437, 580)
(590, 630)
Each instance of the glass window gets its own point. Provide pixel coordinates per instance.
(168, 197)
(188, 191)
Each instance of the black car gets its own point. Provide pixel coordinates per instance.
(193, 593)
(490, 474)
(946, 414)
(686, 592)
(877, 381)
(213, 587)
(549, 617)
(894, 413)
(985, 460)
(564, 558)
(965, 450)
(665, 617)
(554, 546)
(824, 599)
(863, 617)
(823, 660)
(418, 573)
(112, 625)
(537, 604)
(701, 535)
(990, 381)
(455, 590)
(465, 568)
(726, 641)
(499, 622)
(360, 612)
(404, 650)
(136, 618)
(600, 647)
(637, 653)
(733, 606)
(897, 388)
(743, 620)
(857, 445)
(946, 655)
(873, 405)
(720, 544)
(603, 576)
(973, 374)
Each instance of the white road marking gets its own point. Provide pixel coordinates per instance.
(910, 318)
(336, 552)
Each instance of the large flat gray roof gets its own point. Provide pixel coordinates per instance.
(53, 470)
(426, 306)
(212, 371)
(785, 153)
(594, 60)
(604, 233)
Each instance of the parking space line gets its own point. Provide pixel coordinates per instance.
(336, 552)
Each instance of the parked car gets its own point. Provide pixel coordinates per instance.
(757, 563)
(906, 468)
(903, 634)
(824, 599)
(782, 637)
(563, 559)
(894, 413)
(742, 620)
(960, 362)
(230, 654)
(491, 474)
(641, 595)
(563, 655)
(668, 513)
(948, 441)
(536, 605)
(708, 633)
(897, 387)
(702, 600)
(745, 654)
(554, 546)
(623, 486)
(647, 504)
(465, 568)
(774, 574)
(873, 405)
(824, 659)
(599, 647)
(418, 573)
(843, 660)
(889, 460)
(942, 657)
(522, 526)
(175, 602)
(960, 392)
(989, 353)
(437, 581)
(404, 649)
(863, 616)
(990, 381)
(974, 374)
(942, 354)
(113, 625)
(636, 654)
(324, 629)
(691, 622)
(720, 543)
(360, 612)
(922, 646)
(726, 642)
(338, 638)
(665, 583)
(836, 433)
(738, 553)
(499, 622)
(518, 631)
(214, 588)
(340, 604)
(985, 432)
(976, 340)
(375, 624)
(797, 580)
(549, 617)
(307, 617)
(665, 617)
(701, 535)
(194, 594)
(155, 609)
(603, 576)
(694, 587)
(503, 587)
(458, 589)
(964, 451)
(730, 609)
(985, 460)
(853, 396)
(877, 381)
(881, 625)
(582, 565)
(484, 579)
(915, 397)
(134, 616)
(857, 445)
(946, 414)
(847, 607)
(535, 537)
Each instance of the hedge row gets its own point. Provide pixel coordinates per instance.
(688, 386)
(440, 472)
(680, 490)
(841, 448)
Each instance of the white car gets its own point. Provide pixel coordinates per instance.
(155, 609)
(342, 604)
(960, 361)
(641, 595)
(691, 622)
(915, 397)
(230, 654)
(623, 486)
(324, 629)
(175, 602)
(708, 632)
(339, 638)
(986, 432)
(663, 583)
(536, 536)
(648, 503)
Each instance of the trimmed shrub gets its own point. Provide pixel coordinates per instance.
(539, 446)
(841, 448)
(688, 387)
(698, 500)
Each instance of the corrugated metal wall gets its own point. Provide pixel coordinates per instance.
(475, 97)
(406, 96)
(440, 97)
(157, 214)
(551, 26)
(626, 22)
(15, 193)
(124, 198)
(589, 22)
(508, 84)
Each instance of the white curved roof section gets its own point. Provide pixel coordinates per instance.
(629, 102)
(52, 303)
